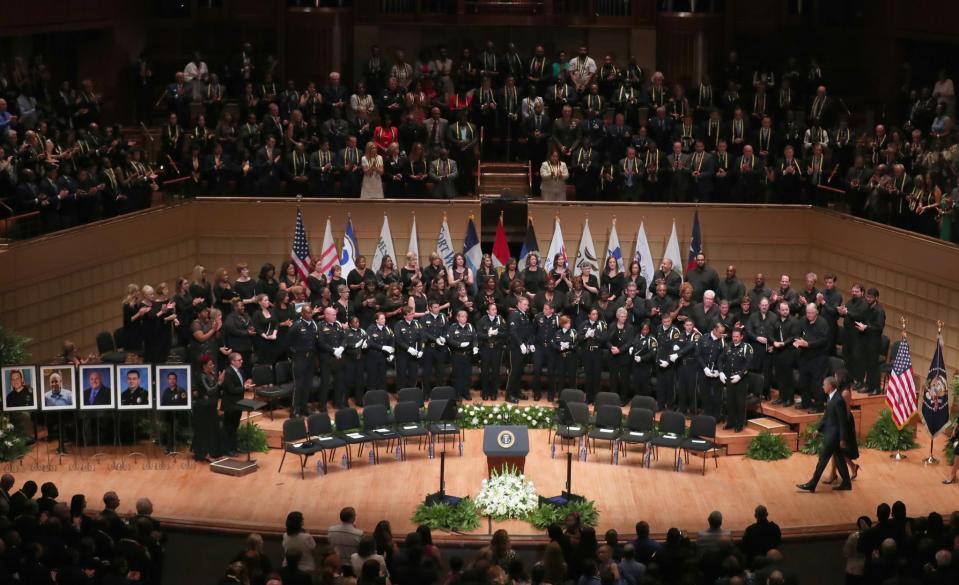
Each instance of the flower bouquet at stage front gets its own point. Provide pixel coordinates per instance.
(478, 415)
(507, 494)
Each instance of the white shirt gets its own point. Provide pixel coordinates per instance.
(193, 71)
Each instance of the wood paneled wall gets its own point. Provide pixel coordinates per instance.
(69, 285)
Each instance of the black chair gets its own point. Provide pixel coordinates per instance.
(702, 438)
(640, 429)
(348, 428)
(381, 397)
(885, 360)
(410, 395)
(609, 420)
(440, 426)
(647, 402)
(321, 432)
(297, 440)
(834, 364)
(443, 393)
(283, 372)
(265, 388)
(409, 424)
(108, 349)
(602, 399)
(575, 427)
(672, 429)
(754, 392)
(572, 395)
(377, 425)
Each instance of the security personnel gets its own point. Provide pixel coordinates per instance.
(667, 353)
(435, 353)
(643, 351)
(330, 338)
(461, 339)
(733, 366)
(758, 334)
(354, 343)
(491, 331)
(688, 368)
(592, 337)
(521, 347)
(784, 330)
(813, 354)
(409, 349)
(380, 348)
(545, 325)
(619, 340)
(709, 350)
(302, 344)
(564, 344)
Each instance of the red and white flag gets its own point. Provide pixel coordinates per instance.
(500, 246)
(328, 254)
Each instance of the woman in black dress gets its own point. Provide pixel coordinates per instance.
(284, 314)
(510, 274)
(460, 272)
(335, 280)
(534, 276)
(156, 326)
(393, 303)
(386, 274)
(223, 292)
(954, 441)
(289, 277)
(132, 326)
(245, 287)
(343, 305)
(634, 274)
(368, 303)
(561, 274)
(418, 298)
(415, 173)
(410, 271)
(612, 280)
(206, 424)
(200, 286)
(267, 283)
(357, 277)
(265, 343)
(485, 270)
(186, 308)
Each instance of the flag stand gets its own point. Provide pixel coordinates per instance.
(898, 456)
(931, 460)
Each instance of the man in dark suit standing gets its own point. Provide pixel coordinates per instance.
(834, 429)
(232, 387)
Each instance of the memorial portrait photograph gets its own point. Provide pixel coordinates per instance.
(19, 388)
(97, 383)
(58, 386)
(133, 387)
(173, 387)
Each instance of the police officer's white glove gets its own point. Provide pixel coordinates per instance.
(590, 333)
(563, 345)
(365, 344)
(388, 349)
(631, 350)
(722, 377)
(337, 352)
(708, 372)
(464, 344)
(714, 374)
(419, 354)
(735, 379)
(522, 349)
(532, 348)
(673, 357)
(638, 358)
(493, 331)
(663, 364)
(475, 350)
(359, 344)
(441, 340)
(411, 351)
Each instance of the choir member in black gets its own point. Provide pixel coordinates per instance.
(704, 314)
(619, 340)
(561, 274)
(743, 312)
(185, 306)
(393, 304)
(348, 166)
(433, 327)
(758, 334)
(545, 325)
(393, 176)
(343, 305)
(811, 342)
(684, 308)
(355, 341)
(239, 333)
(380, 349)
(156, 319)
(435, 269)
(660, 304)
(464, 139)
(668, 345)
(330, 338)
(301, 341)
(461, 339)
(245, 288)
(578, 302)
(688, 369)
(611, 279)
(491, 332)
(731, 288)
(408, 337)
(759, 290)
(592, 334)
(522, 347)
(459, 272)
(584, 165)
(785, 329)
(367, 304)
(788, 294)
(206, 424)
(265, 343)
(708, 353)
(322, 171)
(358, 276)
(232, 390)
(669, 277)
(733, 364)
(509, 109)
(549, 295)
(534, 275)
(829, 300)
(537, 136)
(564, 343)
(871, 327)
(725, 315)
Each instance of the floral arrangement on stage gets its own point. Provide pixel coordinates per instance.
(476, 415)
(250, 437)
(507, 494)
(809, 442)
(885, 436)
(768, 447)
(547, 514)
(461, 517)
(13, 445)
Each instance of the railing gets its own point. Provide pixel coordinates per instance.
(562, 8)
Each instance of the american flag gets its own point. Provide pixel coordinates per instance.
(901, 387)
(300, 254)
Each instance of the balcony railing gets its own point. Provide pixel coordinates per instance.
(574, 9)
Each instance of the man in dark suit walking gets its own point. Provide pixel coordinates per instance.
(834, 429)
(232, 389)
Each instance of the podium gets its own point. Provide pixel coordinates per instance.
(505, 445)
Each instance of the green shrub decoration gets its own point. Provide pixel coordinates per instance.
(768, 447)
(462, 517)
(885, 436)
(13, 444)
(809, 442)
(13, 347)
(547, 514)
(250, 437)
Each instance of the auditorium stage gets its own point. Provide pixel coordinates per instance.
(190, 495)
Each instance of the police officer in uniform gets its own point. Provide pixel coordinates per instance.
(643, 351)
(709, 350)
(435, 353)
(408, 335)
(564, 344)
(688, 368)
(619, 340)
(667, 353)
(354, 342)
(302, 344)
(784, 330)
(380, 348)
(733, 366)
(592, 336)
(461, 339)
(521, 347)
(491, 330)
(545, 325)
(330, 338)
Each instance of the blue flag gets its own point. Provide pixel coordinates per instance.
(471, 247)
(348, 256)
(530, 244)
(935, 396)
(695, 243)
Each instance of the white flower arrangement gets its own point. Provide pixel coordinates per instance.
(477, 416)
(507, 494)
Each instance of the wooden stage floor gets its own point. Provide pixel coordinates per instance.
(190, 495)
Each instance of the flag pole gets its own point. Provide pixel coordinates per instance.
(931, 460)
(899, 455)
